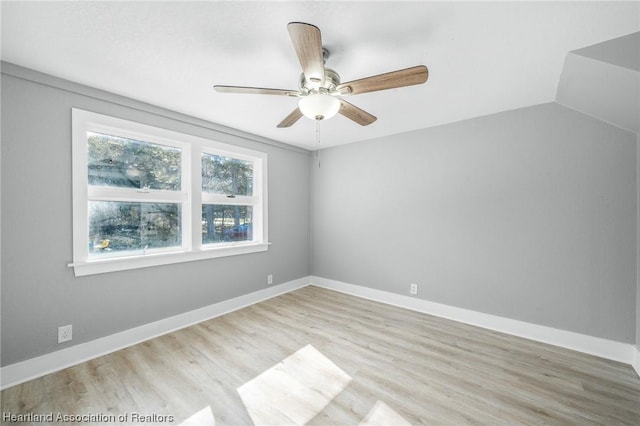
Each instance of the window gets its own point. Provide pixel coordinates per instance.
(227, 207)
(145, 196)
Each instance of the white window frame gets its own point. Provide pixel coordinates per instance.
(190, 196)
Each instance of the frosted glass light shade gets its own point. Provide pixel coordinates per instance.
(319, 106)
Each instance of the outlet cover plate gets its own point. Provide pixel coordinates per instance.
(65, 333)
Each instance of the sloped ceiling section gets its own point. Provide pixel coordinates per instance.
(603, 80)
(622, 51)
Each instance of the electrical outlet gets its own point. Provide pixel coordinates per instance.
(65, 333)
(269, 279)
(413, 289)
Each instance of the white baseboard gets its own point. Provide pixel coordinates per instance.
(636, 360)
(36, 367)
(609, 349)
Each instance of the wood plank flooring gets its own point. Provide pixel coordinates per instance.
(404, 367)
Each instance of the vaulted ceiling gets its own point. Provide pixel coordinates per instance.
(483, 57)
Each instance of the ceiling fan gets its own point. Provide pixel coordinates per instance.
(320, 90)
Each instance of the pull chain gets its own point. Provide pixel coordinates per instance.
(318, 140)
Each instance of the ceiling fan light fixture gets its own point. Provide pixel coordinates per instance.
(320, 89)
(319, 106)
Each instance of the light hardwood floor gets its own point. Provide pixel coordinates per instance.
(389, 365)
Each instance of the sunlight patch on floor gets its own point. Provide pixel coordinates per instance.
(383, 415)
(203, 417)
(295, 390)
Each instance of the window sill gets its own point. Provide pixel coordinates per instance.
(102, 266)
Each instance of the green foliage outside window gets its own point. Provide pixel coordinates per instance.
(127, 163)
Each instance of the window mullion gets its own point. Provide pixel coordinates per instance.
(196, 198)
(187, 180)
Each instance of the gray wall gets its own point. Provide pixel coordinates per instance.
(638, 250)
(528, 214)
(39, 292)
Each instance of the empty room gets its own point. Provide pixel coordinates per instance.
(322, 213)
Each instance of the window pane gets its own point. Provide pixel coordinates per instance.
(223, 175)
(122, 226)
(127, 163)
(222, 223)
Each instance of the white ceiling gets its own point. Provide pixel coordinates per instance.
(483, 57)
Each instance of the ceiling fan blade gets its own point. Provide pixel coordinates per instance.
(255, 90)
(290, 119)
(356, 114)
(307, 43)
(390, 80)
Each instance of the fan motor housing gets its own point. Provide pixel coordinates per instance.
(331, 81)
